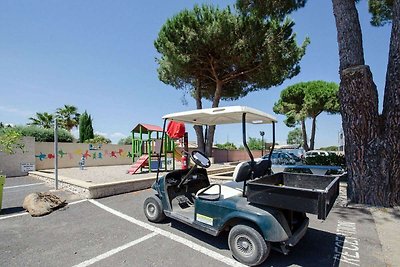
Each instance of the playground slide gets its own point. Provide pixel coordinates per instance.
(142, 161)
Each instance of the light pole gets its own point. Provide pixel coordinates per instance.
(56, 152)
(262, 141)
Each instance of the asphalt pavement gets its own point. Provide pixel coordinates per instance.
(113, 231)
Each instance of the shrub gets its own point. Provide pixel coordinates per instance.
(125, 141)
(10, 140)
(331, 160)
(98, 139)
(42, 134)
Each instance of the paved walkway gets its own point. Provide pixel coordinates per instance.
(388, 226)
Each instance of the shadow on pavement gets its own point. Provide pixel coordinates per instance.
(12, 210)
(315, 249)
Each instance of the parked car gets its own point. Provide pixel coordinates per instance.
(281, 158)
(298, 152)
(296, 158)
(313, 153)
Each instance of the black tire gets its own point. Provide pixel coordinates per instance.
(248, 245)
(153, 209)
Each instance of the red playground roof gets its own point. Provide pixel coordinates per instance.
(147, 127)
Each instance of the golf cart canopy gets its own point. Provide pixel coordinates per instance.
(221, 115)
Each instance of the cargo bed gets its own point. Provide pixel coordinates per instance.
(308, 193)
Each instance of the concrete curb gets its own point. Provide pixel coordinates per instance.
(89, 190)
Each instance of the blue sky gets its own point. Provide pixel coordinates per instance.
(100, 57)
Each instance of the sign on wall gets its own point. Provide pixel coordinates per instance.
(27, 167)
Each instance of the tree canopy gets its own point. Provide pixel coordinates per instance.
(307, 100)
(68, 117)
(85, 127)
(277, 9)
(219, 54)
(381, 11)
(295, 137)
(45, 120)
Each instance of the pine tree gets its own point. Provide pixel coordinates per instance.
(85, 127)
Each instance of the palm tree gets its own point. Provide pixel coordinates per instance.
(44, 120)
(68, 117)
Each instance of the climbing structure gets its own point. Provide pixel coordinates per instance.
(146, 143)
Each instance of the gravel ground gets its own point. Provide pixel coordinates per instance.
(107, 174)
(101, 174)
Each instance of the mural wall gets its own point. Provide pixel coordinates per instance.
(70, 154)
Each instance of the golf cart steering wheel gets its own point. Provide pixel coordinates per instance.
(200, 159)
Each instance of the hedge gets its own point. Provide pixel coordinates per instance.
(42, 134)
(331, 160)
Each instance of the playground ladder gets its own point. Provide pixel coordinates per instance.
(138, 164)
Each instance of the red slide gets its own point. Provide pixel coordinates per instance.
(139, 163)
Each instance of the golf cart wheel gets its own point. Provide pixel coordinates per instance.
(248, 245)
(153, 209)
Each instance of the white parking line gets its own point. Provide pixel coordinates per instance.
(115, 250)
(26, 213)
(171, 236)
(23, 185)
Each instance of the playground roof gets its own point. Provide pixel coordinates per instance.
(221, 115)
(147, 127)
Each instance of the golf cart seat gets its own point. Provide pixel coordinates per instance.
(243, 171)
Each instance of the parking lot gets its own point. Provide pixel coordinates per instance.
(113, 231)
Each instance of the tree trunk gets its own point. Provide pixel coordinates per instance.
(313, 130)
(391, 109)
(198, 128)
(370, 166)
(304, 131)
(211, 129)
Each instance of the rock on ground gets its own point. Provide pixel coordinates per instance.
(39, 204)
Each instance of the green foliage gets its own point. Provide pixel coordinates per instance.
(295, 137)
(41, 134)
(44, 120)
(10, 140)
(307, 99)
(320, 96)
(85, 127)
(98, 139)
(68, 117)
(255, 143)
(381, 11)
(227, 146)
(330, 148)
(125, 141)
(275, 9)
(211, 46)
(331, 160)
(291, 104)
